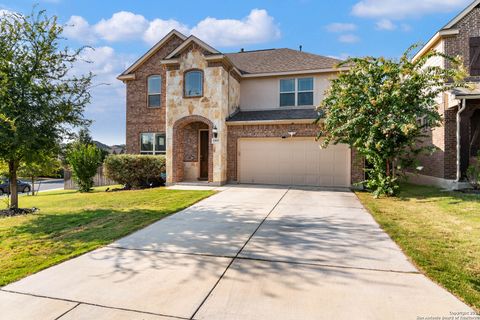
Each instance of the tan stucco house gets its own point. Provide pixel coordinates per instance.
(244, 117)
(458, 140)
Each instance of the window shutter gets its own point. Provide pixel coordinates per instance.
(475, 56)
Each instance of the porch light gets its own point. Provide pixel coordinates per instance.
(215, 132)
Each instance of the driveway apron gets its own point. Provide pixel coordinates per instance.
(248, 252)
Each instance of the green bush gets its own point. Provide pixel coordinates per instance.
(84, 161)
(135, 171)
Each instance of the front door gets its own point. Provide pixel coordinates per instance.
(203, 155)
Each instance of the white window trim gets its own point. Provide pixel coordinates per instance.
(296, 92)
(154, 94)
(153, 152)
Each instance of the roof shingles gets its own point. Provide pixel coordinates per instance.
(279, 60)
(270, 115)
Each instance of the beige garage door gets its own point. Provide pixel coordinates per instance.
(293, 161)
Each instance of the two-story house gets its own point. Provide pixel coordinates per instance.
(457, 141)
(244, 117)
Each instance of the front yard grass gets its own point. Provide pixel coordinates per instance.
(439, 231)
(70, 223)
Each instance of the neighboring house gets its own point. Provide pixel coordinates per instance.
(458, 139)
(243, 117)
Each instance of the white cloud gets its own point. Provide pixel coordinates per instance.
(78, 28)
(341, 27)
(406, 27)
(341, 56)
(106, 65)
(386, 24)
(158, 28)
(121, 26)
(395, 9)
(107, 107)
(348, 38)
(257, 27)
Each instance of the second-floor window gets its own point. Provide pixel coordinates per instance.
(193, 86)
(152, 143)
(296, 92)
(475, 56)
(154, 91)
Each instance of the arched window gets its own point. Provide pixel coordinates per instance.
(154, 91)
(193, 84)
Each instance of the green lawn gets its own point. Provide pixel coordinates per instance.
(71, 223)
(439, 231)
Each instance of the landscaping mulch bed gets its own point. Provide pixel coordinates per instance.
(16, 212)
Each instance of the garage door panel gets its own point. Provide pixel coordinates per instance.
(293, 161)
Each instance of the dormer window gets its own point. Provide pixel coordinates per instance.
(193, 83)
(154, 91)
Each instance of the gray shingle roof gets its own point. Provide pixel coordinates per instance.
(266, 115)
(279, 60)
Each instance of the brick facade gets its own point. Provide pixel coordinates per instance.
(443, 162)
(181, 129)
(181, 118)
(277, 130)
(459, 44)
(191, 140)
(141, 118)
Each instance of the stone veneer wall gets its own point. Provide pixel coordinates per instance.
(277, 130)
(214, 105)
(140, 118)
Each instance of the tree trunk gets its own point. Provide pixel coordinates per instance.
(388, 168)
(33, 186)
(12, 171)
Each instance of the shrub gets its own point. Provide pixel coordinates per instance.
(84, 161)
(473, 174)
(135, 171)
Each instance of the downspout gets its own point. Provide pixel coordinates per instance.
(459, 118)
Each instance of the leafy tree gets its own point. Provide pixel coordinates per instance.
(44, 165)
(375, 108)
(82, 137)
(40, 99)
(84, 160)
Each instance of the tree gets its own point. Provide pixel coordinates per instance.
(41, 101)
(84, 160)
(44, 165)
(375, 108)
(84, 137)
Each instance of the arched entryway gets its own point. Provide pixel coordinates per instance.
(192, 149)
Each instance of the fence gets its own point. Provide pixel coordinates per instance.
(99, 180)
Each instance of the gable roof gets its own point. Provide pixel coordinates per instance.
(152, 51)
(280, 60)
(461, 15)
(447, 30)
(185, 44)
(246, 63)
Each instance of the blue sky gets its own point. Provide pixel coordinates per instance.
(122, 30)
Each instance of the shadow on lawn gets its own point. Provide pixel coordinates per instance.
(89, 225)
(199, 232)
(430, 194)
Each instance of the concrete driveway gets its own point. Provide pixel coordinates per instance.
(249, 252)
